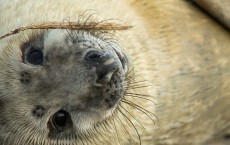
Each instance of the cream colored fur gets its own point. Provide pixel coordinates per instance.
(192, 93)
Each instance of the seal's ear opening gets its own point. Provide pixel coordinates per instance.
(60, 121)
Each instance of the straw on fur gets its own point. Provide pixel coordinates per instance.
(70, 25)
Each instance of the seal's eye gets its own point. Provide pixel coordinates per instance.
(35, 57)
(60, 120)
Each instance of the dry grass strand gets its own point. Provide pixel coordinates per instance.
(71, 26)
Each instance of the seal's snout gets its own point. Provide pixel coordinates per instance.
(106, 65)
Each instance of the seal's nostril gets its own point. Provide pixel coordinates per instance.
(93, 56)
(106, 64)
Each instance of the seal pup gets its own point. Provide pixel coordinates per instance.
(186, 66)
(73, 87)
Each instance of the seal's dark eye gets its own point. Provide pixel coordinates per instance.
(60, 120)
(35, 57)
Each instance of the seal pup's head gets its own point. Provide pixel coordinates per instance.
(60, 86)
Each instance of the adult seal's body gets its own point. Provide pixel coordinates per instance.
(99, 86)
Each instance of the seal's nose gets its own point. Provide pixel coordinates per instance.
(94, 57)
(105, 64)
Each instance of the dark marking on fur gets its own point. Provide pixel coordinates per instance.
(25, 78)
(38, 111)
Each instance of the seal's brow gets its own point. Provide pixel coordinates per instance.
(72, 26)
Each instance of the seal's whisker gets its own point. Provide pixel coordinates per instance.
(90, 18)
(142, 98)
(145, 111)
(105, 125)
(136, 94)
(138, 82)
(78, 137)
(133, 81)
(137, 86)
(86, 136)
(136, 105)
(86, 20)
(68, 31)
(131, 75)
(118, 138)
(106, 36)
(84, 14)
(136, 130)
(132, 116)
(123, 126)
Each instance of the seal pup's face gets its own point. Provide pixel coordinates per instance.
(65, 86)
